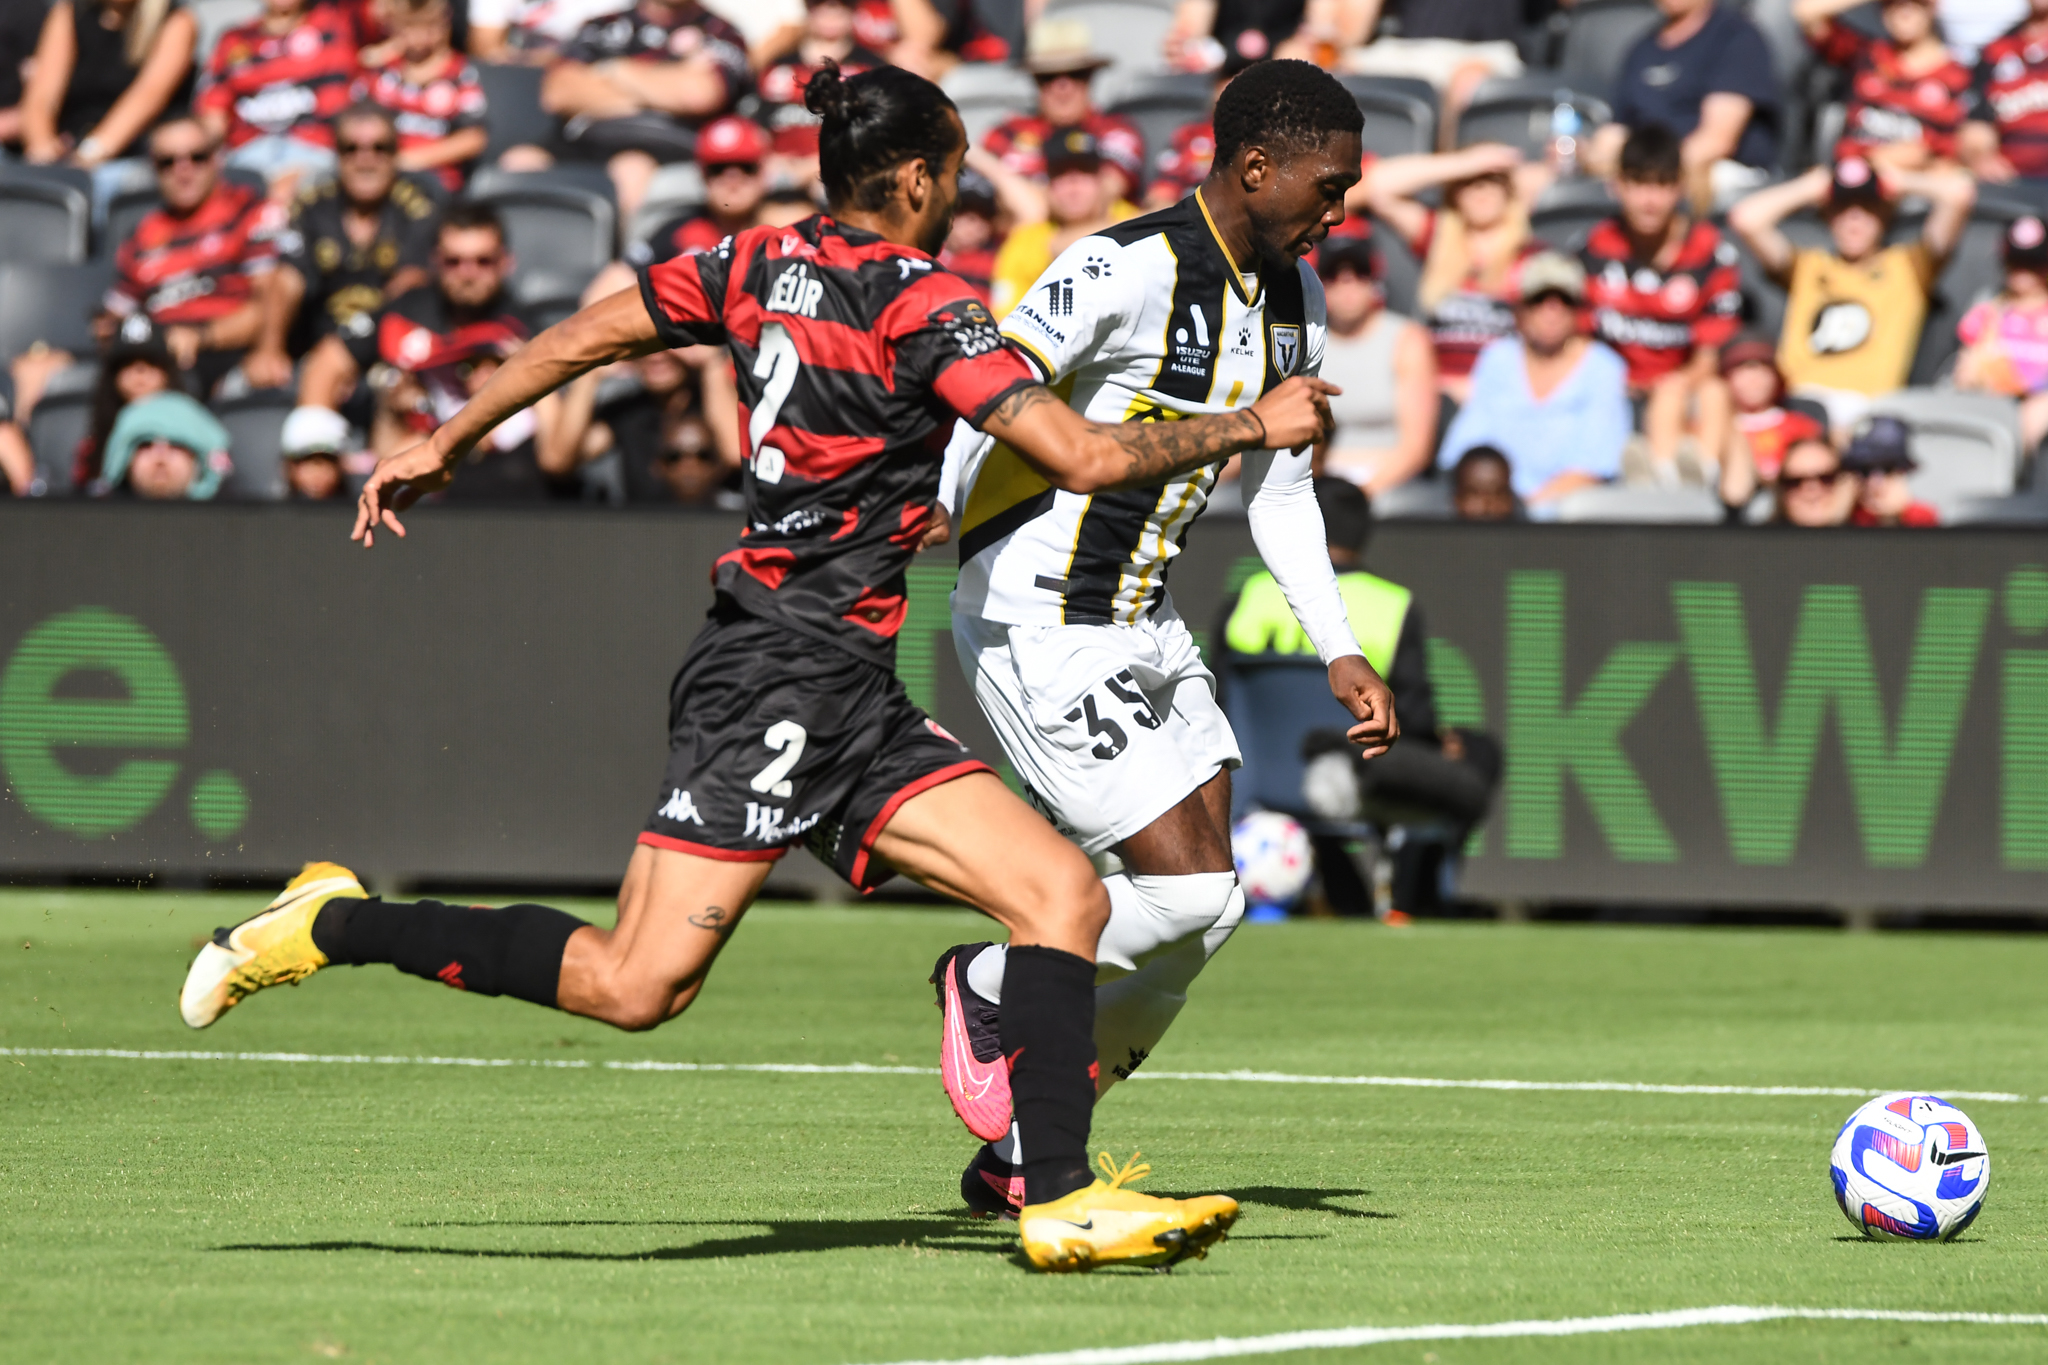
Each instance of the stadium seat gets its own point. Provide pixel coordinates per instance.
(1598, 36)
(60, 421)
(1061, 6)
(1967, 444)
(1161, 105)
(1569, 209)
(512, 108)
(1418, 499)
(1522, 118)
(561, 234)
(1643, 506)
(50, 303)
(1398, 122)
(255, 424)
(216, 17)
(42, 220)
(987, 93)
(1974, 272)
(2022, 509)
(1400, 273)
(1272, 705)
(676, 190)
(1134, 34)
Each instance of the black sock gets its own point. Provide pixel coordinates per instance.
(515, 951)
(1048, 1028)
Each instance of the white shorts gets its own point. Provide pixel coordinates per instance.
(1109, 726)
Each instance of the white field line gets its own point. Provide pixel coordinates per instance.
(1280, 1343)
(863, 1069)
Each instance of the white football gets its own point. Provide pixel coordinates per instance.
(1272, 856)
(1910, 1168)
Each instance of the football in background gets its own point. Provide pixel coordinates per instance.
(1272, 856)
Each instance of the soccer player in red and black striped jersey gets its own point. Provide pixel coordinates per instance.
(1664, 291)
(855, 354)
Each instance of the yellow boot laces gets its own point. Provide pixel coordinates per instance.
(1132, 1171)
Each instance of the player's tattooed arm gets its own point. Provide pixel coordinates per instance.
(1081, 456)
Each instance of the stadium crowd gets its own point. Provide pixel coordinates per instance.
(1783, 260)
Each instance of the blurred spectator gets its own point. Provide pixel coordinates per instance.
(1386, 416)
(1813, 487)
(129, 372)
(731, 152)
(314, 441)
(1455, 45)
(1853, 315)
(1210, 35)
(529, 32)
(1185, 160)
(1968, 25)
(167, 447)
(433, 92)
(1469, 248)
(1483, 487)
(104, 71)
(17, 462)
(1908, 95)
(633, 86)
(2005, 338)
(663, 429)
(970, 250)
(938, 35)
(1061, 59)
(1881, 456)
(1554, 401)
(273, 86)
(433, 349)
(1077, 202)
(1766, 424)
(1705, 74)
(195, 268)
(21, 30)
(828, 35)
(352, 246)
(1665, 294)
(2007, 136)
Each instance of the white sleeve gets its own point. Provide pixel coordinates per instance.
(1081, 308)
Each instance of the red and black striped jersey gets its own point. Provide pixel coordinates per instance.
(449, 101)
(1020, 143)
(1888, 105)
(1178, 168)
(853, 357)
(782, 98)
(1657, 318)
(2011, 92)
(648, 35)
(290, 83)
(188, 271)
(451, 353)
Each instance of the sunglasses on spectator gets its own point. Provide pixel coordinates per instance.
(165, 160)
(1827, 480)
(486, 262)
(379, 148)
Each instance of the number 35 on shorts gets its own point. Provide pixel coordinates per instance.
(1122, 688)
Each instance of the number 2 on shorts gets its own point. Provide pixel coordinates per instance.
(789, 737)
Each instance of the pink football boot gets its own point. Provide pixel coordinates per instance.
(971, 1061)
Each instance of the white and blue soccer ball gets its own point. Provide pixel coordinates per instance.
(1272, 856)
(1910, 1168)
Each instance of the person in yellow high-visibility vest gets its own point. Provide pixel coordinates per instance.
(1443, 773)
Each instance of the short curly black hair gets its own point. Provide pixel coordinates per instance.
(1282, 103)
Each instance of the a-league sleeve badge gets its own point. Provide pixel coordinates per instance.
(1286, 347)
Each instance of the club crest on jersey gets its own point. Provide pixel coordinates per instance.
(1286, 347)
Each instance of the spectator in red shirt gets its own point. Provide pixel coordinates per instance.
(1665, 293)
(1882, 454)
(2007, 136)
(273, 86)
(971, 244)
(1060, 56)
(1908, 95)
(195, 270)
(1184, 162)
(1766, 424)
(731, 152)
(635, 85)
(433, 92)
(830, 34)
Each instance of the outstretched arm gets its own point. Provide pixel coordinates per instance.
(1076, 455)
(613, 328)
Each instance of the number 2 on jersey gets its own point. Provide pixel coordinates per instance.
(789, 737)
(777, 363)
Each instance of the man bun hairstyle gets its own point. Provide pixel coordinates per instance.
(1651, 156)
(1285, 105)
(871, 124)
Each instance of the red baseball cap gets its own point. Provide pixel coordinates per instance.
(732, 142)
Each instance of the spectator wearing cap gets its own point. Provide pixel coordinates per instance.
(1908, 95)
(1767, 423)
(1061, 58)
(971, 243)
(829, 34)
(2006, 138)
(1666, 295)
(1853, 315)
(1881, 456)
(1483, 487)
(273, 86)
(129, 372)
(732, 152)
(1555, 401)
(1706, 74)
(1383, 362)
(433, 92)
(166, 448)
(1813, 488)
(314, 442)
(631, 88)
(1076, 201)
(2005, 338)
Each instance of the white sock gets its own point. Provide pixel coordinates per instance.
(985, 972)
(1011, 1148)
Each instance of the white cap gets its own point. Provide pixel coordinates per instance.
(314, 431)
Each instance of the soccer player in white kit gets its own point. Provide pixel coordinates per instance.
(1061, 617)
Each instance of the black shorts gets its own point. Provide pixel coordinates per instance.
(776, 739)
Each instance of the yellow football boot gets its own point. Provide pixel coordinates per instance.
(274, 948)
(1106, 1224)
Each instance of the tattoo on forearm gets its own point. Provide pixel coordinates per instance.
(1013, 407)
(1162, 450)
(716, 918)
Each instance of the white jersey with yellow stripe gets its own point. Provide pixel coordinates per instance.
(1147, 321)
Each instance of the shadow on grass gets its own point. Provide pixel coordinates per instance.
(936, 1234)
(1307, 1200)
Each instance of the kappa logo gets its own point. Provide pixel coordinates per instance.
(1286, 347)
(681, 808)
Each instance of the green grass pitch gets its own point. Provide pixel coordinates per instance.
(258, 1211)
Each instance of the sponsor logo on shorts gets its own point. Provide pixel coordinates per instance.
(765, 823)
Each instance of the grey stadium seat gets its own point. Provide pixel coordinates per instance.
(50, 303)
(1522, 119)
(1163, 104)
(216, 17)
(1967, 444)
(512, 109)
(1975, 271)
(561, 235)
(1598, 35)
(1647, 506)
(987, 93)
(43, 220)
(1419, 499)
(676, 190)
(255, 426)
(1397, 122)
(57, 425)
(1401, 273)
(1568, 210)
